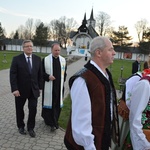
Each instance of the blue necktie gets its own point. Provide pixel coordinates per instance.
(29, 64)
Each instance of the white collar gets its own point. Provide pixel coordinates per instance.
(93, 63)
(28, 56)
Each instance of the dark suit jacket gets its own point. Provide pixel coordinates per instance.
(135, 66)
(22, 80)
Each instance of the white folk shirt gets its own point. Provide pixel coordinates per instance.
(81, 113)
(139, 100)
(130, 83)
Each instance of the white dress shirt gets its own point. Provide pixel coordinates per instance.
(81, 113)
(26, 56)
(139, 100)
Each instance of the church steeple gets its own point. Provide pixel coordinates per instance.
(91, 17)
(84, 20)
(91, 21)
(83, 27)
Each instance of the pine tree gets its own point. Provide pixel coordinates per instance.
(16, 36)
(121, 37)
(41, 35)
(2, 36)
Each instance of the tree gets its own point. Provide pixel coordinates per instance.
(11, 36)
(21, 32)
(60, 29)
(37, 23)
(121, 37)
(2, 35)
(140, 28)
(16, 35)
(103, 22)
(109, 32)
(68, 24)
(29, 28)
(52, 30)
(145, 43)
(41, 35)
(26, 32)
(146, 34)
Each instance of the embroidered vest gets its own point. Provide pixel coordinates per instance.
(99, 91)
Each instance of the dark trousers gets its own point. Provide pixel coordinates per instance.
(32, 106)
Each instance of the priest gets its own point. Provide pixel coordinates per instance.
(54, 76)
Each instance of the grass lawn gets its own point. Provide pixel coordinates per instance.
(6, 58)
(64, 116)
(115, 69)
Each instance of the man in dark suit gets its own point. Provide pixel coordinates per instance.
(26, 83)
(136, 65)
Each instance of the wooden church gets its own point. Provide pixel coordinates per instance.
(82, 37)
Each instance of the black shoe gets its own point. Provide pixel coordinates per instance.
(32, 133)
(57, 126)
(53, 129)
(22, 131)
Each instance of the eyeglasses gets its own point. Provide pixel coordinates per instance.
(28, 46)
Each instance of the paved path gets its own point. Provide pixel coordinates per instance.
(10, 139)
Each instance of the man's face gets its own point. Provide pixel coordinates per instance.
(28, 48)
(138, 59)
(108, 54)
(56, 50)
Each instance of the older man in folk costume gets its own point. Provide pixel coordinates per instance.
(54, 75)
(93, 119)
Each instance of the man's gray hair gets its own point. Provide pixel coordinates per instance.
(98, 43)
(56, 43)
(26, 41)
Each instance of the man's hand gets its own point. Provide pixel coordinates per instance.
(52, 78)
(16, 93)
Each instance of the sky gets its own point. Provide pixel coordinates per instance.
(14, 13)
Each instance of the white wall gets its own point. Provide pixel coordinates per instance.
(74, 51)
(35, 48)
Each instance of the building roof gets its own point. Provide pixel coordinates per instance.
(135, 50)
(73, 33)
(20, 41)
(92, 31)
(84, 29)
(12, 41)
